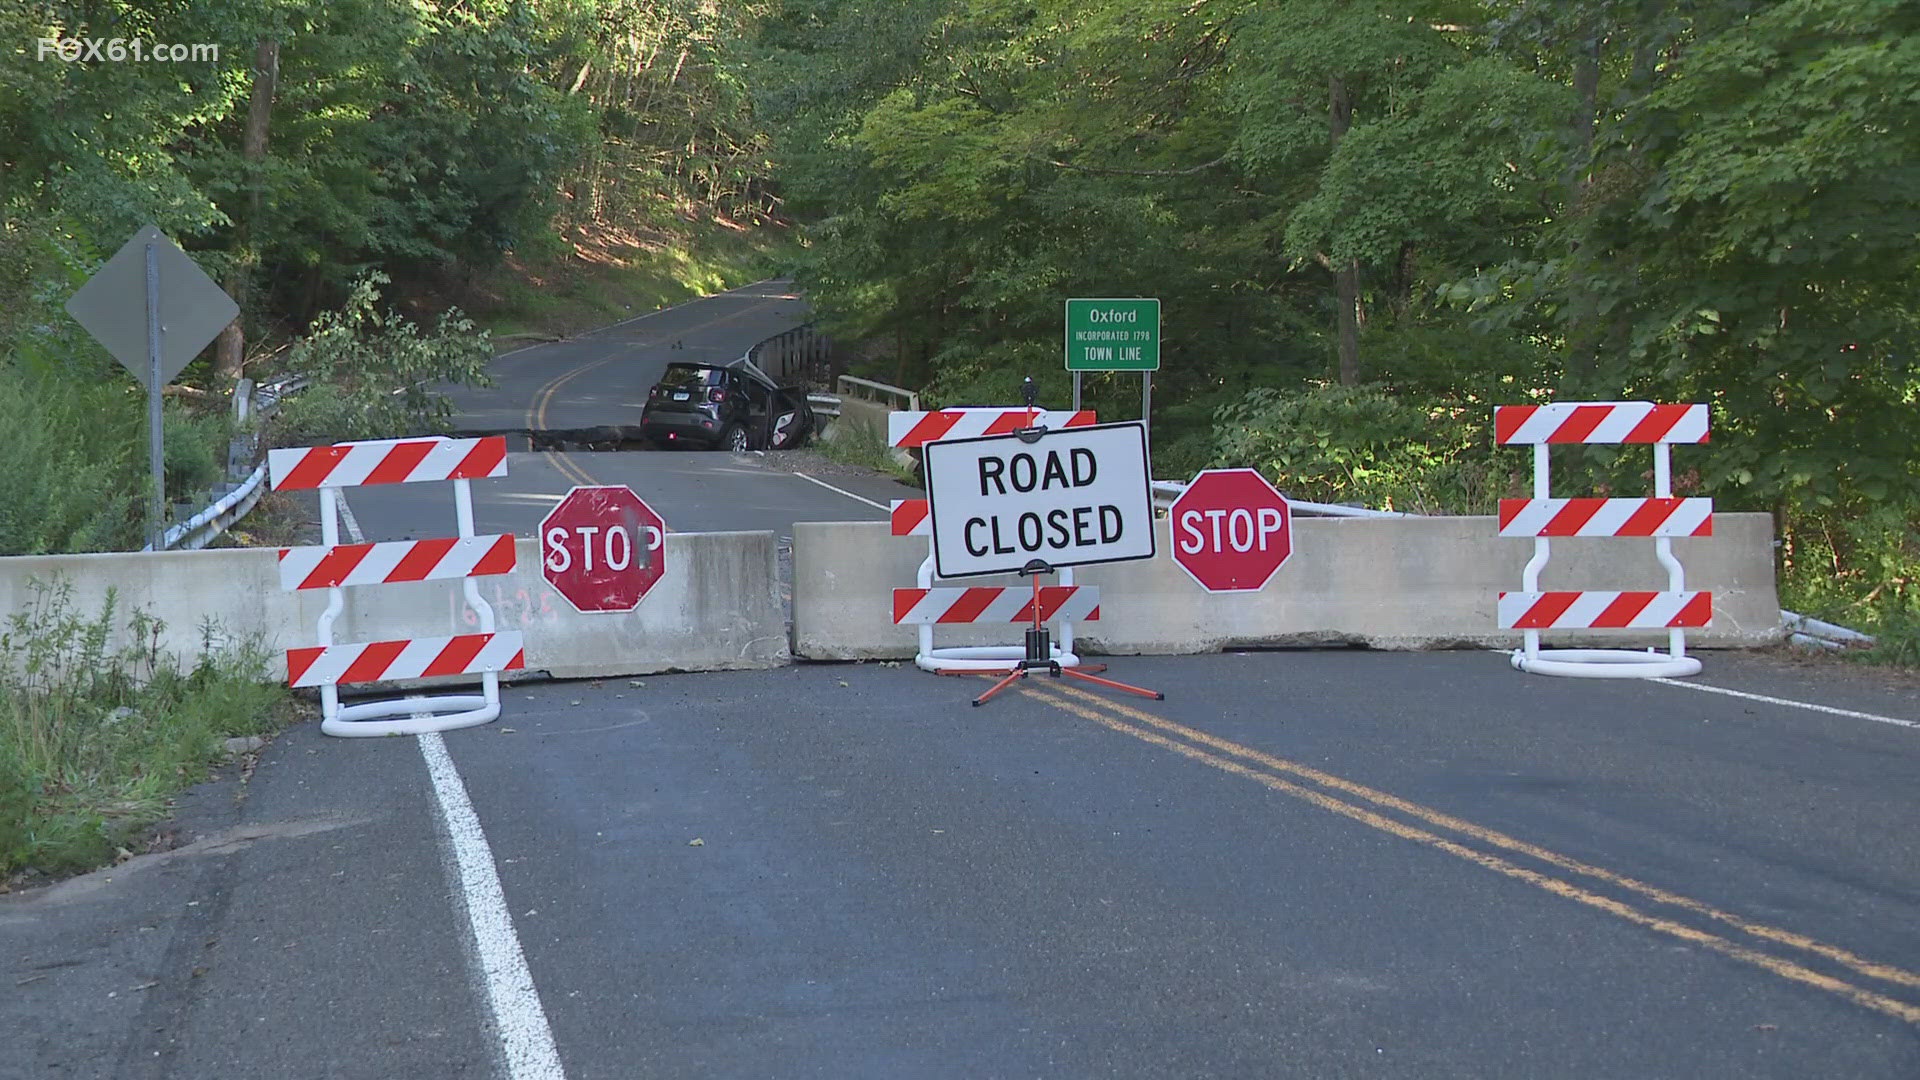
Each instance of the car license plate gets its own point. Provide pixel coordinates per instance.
(681, 395)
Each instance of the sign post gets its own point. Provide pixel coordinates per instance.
(1034, 501)
(1231, 530)
(1116, 334)
(180, 311)
(603, 548)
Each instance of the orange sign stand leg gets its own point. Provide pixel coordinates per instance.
(1040, 648)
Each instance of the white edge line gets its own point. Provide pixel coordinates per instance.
(526, 1042)
(346, 517)
(1789, 702)
(1855, 714)
(843, 491)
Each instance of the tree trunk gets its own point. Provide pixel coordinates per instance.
(231, 354)
(1346, 277)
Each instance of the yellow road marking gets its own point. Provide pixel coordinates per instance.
(1864, 966)
(537, 408)
(1062, 697)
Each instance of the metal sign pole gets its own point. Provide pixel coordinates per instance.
(1076, 391)
(157, 514)
(1146, 415)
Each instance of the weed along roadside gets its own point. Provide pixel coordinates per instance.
(100, 728)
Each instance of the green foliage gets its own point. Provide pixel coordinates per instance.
(375, 374)
(1857, 565)
(73, 475)
(1357, 445)
(423, 139)
(98, 727)
(195, 446)
(1459, 171)
(1896, 642)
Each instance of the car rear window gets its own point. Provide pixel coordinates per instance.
(691, 378)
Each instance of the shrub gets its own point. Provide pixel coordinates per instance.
(1360, 445)
(375, 374)
(73, 475)
(98, 727)
(1856, 563)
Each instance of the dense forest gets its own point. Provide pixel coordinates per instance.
(1368, 221)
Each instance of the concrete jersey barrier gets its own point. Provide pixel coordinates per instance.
(1394, 583)
(719, 608)
(1399, 583)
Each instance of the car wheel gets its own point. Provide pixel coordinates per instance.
(734, 438)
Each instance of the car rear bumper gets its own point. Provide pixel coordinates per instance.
(680, 428)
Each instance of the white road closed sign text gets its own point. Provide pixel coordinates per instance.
(1074, 496)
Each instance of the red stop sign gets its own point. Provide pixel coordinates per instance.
(1231, 530)
(602, 548)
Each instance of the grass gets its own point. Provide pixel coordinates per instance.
(99, 728)
(1896, 644)
(595, 276)
(866, 447)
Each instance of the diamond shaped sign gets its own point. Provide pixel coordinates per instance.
(112, 305)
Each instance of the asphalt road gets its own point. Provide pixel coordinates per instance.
(601, 378)
(1330, 863)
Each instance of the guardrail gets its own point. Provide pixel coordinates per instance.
(1806, 630)
(827, 405)
(868, 390)
(249, 400)
(801, 354)
(199, 530)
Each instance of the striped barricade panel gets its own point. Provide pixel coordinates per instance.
(1600, 422)
(387, 461)
(1606, 517)
(394, 561)
(1603, 610)
(910, 518)
(994, 604)
(911, 429)
(410, 658)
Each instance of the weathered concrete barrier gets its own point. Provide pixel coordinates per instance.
(717, 608)
(1395, 583)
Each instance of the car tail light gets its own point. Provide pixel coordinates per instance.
(716, 395)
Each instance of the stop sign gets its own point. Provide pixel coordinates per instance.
(602, 548)
(1231, 530)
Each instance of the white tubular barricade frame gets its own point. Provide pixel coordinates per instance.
(335, 566)
(908, 430)
(1661, 517)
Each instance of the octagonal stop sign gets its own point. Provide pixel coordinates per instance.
(602, 548)
(1231, 530)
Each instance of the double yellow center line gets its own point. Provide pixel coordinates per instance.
(1456, 837)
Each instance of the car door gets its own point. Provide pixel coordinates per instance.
(791, 420)
(759, 405)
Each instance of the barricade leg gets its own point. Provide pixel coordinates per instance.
(989, 659)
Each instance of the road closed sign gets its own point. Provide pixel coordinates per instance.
(1072, 497)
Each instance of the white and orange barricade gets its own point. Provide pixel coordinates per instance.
(926, 606)
(1661, 518)
(335, 567)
